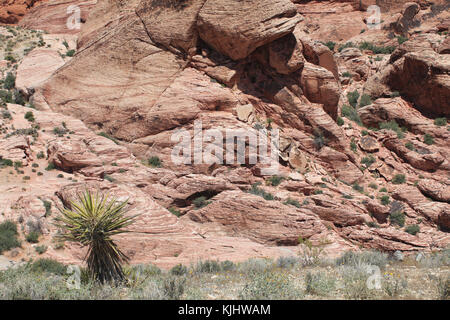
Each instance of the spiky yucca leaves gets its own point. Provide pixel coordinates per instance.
(92, 220)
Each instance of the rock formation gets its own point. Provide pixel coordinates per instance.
(356, 112)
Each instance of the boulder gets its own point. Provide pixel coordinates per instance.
(406, 21)
(435, 190)
(36, 68)
(424, 78)
(286, 54)
(369, 144)
(12, 11)
(236, 28)
(298, 160)
(171, 24)
(320, 86)
(112, 85)
(420, 74)
(15, 148)
(317, 53)
(244, 214)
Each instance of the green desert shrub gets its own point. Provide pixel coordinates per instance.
(428, 139)
(60, 131)
(105, 176)
(70, 53)
(29, 116)
(41, 249)
(286, 262)
(10, 81)
(409, 145)
(365, 100)
(413, 229)
(372, 224)
(436, 259)
(107, 136)
(373, 186)
(260, 192)
(350, 113)
(50, 166)
(48, 207)
(6, 163)
(353, 97)
(440, 122)
(178, 270)
(330, 44)
(319, 139)
(227, 265)
(175, 212)
(397, 218)
(347, 74)
(275, 180)
(292, 202)
(443, 287)
(146, 270)
(376, 49)
(269, 286)
(200, 202)
(355, 259)
(48, 265)
(8, 236)
(255, 265)
(208, 266)
(401, 39)
(340, 121)
(368, 161)
(155, 162)
(18, 98)
(393, 126)
(399, 179)
(33, 237)
(174, 287)
(385, 200)
(6, 96)
(319, 284)
(347, 45)
(355, 284)
(358, 188)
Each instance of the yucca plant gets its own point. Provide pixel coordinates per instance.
(92, 220)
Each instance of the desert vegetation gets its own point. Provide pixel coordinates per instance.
(91, 220)
(306, 276)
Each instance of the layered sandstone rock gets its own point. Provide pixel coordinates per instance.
(58, 16)
(144, 70)
(237, 28)
(36, 68)
(320, 86)
(416, 68)
(11, 11)
(435, 190)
